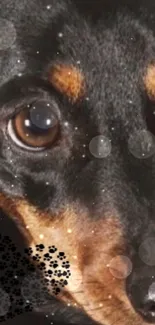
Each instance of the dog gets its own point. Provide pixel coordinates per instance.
(77, 150)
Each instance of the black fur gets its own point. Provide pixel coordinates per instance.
(114, 42)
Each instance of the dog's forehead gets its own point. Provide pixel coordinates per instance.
(111, 56)
(22, 34)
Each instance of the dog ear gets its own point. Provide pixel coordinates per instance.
(68, 80)
(149, 81)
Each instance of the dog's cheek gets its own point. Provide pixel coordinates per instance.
(89, 246)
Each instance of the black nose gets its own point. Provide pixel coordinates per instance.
(142, 296)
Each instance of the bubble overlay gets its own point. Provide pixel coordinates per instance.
(147, 251)
(120, 267)
(141, 144)
(100, 147)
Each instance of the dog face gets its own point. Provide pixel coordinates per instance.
(77, 148)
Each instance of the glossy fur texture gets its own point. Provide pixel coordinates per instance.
(94, 209)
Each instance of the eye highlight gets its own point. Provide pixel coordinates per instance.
(35, 127)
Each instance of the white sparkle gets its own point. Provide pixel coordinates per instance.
(16, 176)
(93, 231)
(41, 236)
(47, 183)
(69, 231)
(28, 301)
(78, 62)
(52, 314)
(87, 99)
(9, 148)
(66, 124)
(84, 145)
(75, 257)
(18, 61)
(11, 161)
(48, 122)
(68, 305)
(83, 156)
(15, 276)
(76, 128)
(100, 305)
(109, 296)
(27, 227)
(27, 122)
(12, 185)
(19, 74)
(60, 34)
(46, 315)
(48, 104)
(112, 129)
(48, 7)
(37, 52)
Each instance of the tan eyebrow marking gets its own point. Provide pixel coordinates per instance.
(149, 80)
(68, 80)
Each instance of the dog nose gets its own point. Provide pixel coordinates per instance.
(142, 296)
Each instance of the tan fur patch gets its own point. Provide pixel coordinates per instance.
(149, 81)
(89, 246)
(68, 80)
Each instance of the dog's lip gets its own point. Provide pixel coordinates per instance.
(69, 316)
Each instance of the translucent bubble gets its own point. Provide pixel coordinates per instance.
(147, 251)
(120, 267)
(5, 302)
(34, 290)
(142, 144)
(100, 147)
(42, 117)
(7, 34)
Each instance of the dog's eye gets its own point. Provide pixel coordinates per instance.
(35, 127)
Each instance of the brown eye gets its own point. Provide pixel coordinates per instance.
(35, 127)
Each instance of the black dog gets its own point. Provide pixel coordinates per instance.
(77, 150)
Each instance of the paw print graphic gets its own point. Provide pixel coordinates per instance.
(68, 274)
(48, 273)
(63, 282)
(40, 247)
(54, 264)
(52, 249)
(66, 265)
(28, 251)
(59, 273)
(47, 257)
(61, 256)
(36, 257)
(42, 266)
(56, 291)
